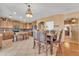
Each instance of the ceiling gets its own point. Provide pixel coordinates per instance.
(17, 10)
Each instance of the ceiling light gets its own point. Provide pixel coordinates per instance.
(73, 20)
(29, 12)
(14, 12)
(10, 16)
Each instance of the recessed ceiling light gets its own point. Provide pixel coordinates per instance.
(10, 16)
(14, 12)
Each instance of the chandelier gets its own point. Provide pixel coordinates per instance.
(29, 12)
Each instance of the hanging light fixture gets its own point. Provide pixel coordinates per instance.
(29, 12)
(74, 20)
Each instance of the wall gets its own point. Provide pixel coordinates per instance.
(74, 27)
(57, 19)
(71, 15)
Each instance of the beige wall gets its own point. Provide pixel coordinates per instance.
(75, 29)
(58, 20)
(73, 14)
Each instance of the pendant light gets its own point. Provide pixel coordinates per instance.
(29, 12)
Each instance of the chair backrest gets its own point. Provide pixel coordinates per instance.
(35, 34)
(52, 31)
(41, 36)
(60, 36)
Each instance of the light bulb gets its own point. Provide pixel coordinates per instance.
(10, 16)
(73, 20)
(28, 15)
(14, 12)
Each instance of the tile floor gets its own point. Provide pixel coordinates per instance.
(21, 48)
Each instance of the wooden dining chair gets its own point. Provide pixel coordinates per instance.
(59, 41)
(40, 41)
(34, 38)
(43, 43)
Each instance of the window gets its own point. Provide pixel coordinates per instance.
(49, 25)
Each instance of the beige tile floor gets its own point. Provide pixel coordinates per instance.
(21, 48)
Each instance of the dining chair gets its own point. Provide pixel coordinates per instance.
(34, 38)
(49, 41)
(44, 43)
(59, 41)
(40, 40)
